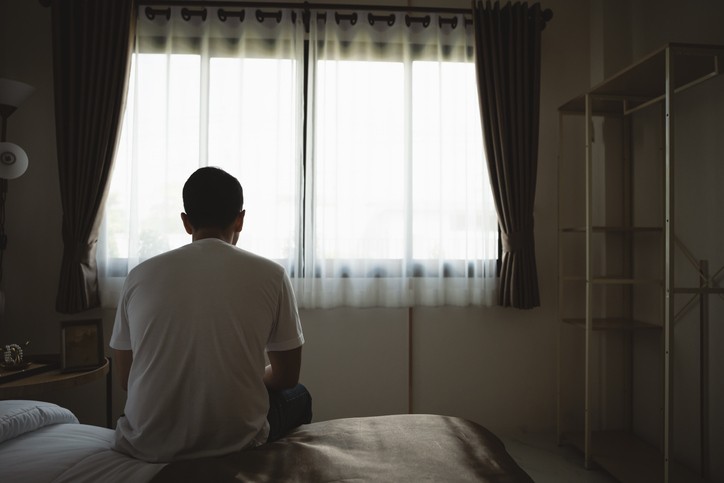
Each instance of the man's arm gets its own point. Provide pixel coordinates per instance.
(122, 360)
(283, 370)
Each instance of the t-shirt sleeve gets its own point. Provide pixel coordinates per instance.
(287, 332)
(121, 336)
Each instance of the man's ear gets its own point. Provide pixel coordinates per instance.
(239, 222)
(187, 223)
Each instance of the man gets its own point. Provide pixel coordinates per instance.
(190, 337)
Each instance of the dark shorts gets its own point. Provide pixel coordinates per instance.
(287, 410)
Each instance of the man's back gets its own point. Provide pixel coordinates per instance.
(198, 320)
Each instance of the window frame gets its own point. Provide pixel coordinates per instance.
(296, 266)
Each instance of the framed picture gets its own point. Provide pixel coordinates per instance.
(81, 345)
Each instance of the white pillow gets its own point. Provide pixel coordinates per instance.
(19, 417)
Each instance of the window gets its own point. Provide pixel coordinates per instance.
(370, 187)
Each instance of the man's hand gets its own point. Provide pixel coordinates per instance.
(283, 370)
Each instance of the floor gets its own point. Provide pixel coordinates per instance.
(546, 462)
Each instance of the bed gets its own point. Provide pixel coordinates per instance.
(43, 442)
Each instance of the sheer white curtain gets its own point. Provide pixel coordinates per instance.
(207, 92)
(399, 205)
(385, 202)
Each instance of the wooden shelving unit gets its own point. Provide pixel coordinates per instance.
(616, 259)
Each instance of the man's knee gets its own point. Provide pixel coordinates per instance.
(307, 398)
(289, 409)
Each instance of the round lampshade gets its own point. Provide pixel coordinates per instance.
(13, 93)
(13, 161)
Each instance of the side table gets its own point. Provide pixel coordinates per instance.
(43, 382)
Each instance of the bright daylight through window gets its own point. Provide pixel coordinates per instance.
(377, 173)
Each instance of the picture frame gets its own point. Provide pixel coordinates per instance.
(81, 345)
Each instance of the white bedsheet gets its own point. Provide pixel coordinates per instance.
(69, 452)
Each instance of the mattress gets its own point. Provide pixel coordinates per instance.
(42, 442)
(397, 448)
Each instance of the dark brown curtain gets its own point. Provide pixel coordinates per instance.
(92, 44)
(507, 57)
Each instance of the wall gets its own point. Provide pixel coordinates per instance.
(698, 117)
(495, 366)
(610, 30)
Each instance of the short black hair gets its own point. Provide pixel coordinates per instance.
(212, 198)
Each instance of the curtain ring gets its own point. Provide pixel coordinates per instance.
(187, 13)
(352, 17)
(425, 21)
(225, 14)
(453, 21)
(390, 19)
(261, 16)
(152, 12)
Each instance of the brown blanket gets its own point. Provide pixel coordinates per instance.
(400, 448)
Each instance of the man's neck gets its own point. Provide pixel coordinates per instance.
(203, 233)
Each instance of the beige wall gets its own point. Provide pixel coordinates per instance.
(698, 175)
(495, 366)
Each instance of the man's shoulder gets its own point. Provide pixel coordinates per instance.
(156, 262)
(259, 260)
(161, 257)
(199, 251)
(232, 253)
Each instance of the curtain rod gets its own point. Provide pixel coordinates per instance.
(547, 14)
(315, 6)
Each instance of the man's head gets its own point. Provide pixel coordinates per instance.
(213, 199)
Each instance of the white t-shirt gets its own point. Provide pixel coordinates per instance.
(198, 320)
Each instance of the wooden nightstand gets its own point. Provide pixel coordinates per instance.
(50, 380)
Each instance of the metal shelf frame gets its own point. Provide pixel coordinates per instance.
(651, 82)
